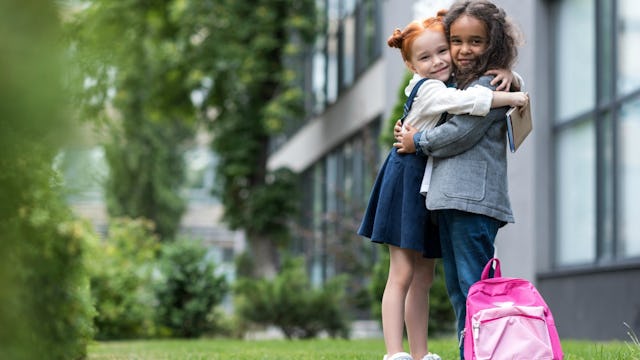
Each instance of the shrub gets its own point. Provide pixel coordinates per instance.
(45, 303)
(291, 304)
(121, 280)
(189, 289)
(45, 310)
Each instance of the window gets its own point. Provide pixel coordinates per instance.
(333, 204)
(347, 40)
(597, 124)
(629, 43)
(576, 189)
(629, 178)
(318, 80)
(200, 163)
(350, 44)
(575, 41)
(333, 26)
(369, 40)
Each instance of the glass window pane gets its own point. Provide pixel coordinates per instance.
(575, 58)
(333, 13)
(576, 223)
(629, 40)
(348, 7)
(606, 51)
(348, 174)
(629, 179)
(319, 77)
(332, 71)
(318, 225)
(607, 185)
(348, 50)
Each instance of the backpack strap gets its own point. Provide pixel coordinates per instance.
(409, 102)
(496, 271)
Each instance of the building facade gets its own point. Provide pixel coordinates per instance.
(573, 183)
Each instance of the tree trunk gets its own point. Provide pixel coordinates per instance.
(264, 255)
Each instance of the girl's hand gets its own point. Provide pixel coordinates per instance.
(397, 131)
(503, 79)
(405, 143)
(519, 99)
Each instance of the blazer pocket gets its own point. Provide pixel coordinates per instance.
(466, 180)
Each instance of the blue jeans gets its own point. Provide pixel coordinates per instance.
(467, 245)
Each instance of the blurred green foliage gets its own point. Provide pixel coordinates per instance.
(290, 303)
(145, 288)
(133, 65)
(249, 60)
(151, 71)
(386, 136)
(188, 290)
(45, 308)
(121, 280)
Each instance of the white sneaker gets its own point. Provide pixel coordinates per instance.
(431, 356)
(399, 356)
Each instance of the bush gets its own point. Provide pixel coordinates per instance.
(189, 289)
(45, 307)
(45, 310)
(291, 304)
(441, 315)
(121, 280)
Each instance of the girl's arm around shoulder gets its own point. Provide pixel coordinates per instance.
(435, 98)
(461, 132)
(513, 99)
(506, 80)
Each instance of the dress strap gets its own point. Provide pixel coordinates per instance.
(409, 102)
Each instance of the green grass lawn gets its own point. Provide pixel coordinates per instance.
(371, 349)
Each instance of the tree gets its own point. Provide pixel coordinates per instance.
(132, 64)
(252, 90)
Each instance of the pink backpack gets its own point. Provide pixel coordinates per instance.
(507, 318)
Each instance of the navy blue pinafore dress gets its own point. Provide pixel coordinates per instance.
(396, 214)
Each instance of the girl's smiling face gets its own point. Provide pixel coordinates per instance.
(430, 57)
(468, 40)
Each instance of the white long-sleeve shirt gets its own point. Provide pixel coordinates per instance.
(433, 99)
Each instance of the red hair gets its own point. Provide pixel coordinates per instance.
(403, 39)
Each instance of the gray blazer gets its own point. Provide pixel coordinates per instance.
(469, 163)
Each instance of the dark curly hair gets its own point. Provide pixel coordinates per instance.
(503, 38)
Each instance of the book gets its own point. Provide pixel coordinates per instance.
(519, 125)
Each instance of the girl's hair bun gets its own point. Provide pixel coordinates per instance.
(395, 40)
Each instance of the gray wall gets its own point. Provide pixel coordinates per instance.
(594, 304)
(518, 244)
